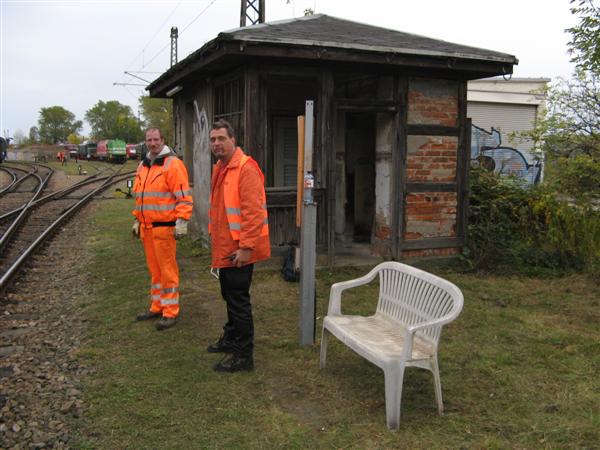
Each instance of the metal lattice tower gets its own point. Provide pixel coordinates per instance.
(174, 35)
(253, 12)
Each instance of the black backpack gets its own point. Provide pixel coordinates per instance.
(288, 272)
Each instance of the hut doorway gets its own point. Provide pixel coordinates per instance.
(359, 174)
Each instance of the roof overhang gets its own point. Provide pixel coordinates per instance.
(223, 53)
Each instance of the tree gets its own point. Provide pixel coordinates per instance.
(111, 120)
(34, 135)
(19, 137)
(56, 123)
(158, 112)
(74, 139)
(568, 134)
(569, 131)
(585, 36)
(571, 124)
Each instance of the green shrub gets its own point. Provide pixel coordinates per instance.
(516, 228)
(578, 177)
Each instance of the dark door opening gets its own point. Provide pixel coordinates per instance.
(360, 177)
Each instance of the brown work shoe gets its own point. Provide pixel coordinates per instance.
(148, 315)
(166, 322)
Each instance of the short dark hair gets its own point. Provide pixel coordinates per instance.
(222, 123)
(152, 129)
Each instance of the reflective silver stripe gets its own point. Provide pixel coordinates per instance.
(266, 221)
(155, 297)
(170, 290)
(156, 286)
(185, 203)
(264, 206)
(168, 162)
(168, 207)
(170, 301)
(235, 226)
(154, 194)
(180, 194)
(235, 211)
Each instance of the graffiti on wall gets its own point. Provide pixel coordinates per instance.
(487, 151)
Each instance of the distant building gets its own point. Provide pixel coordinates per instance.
(507, 106)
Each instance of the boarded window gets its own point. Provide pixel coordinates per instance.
(286, 150)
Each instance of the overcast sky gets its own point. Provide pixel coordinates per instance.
(69, 53)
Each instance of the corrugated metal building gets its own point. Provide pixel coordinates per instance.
(507, 106)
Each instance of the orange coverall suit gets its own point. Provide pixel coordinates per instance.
(162, 195)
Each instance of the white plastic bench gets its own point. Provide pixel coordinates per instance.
(405, 330)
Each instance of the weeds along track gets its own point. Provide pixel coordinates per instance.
(33, 219)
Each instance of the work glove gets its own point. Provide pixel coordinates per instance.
(135, 229)
(180, 228)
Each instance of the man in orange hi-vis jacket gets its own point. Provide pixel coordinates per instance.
(163, 206)
(239, 233)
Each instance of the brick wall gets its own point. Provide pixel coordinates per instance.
(432, 102)
(431, 159)
(438, 252)
(430, 215)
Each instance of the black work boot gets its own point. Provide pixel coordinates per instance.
(166, 322)
(148, 315)
(223, 345)
(235, 363)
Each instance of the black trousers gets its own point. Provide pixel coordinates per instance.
(235, 289)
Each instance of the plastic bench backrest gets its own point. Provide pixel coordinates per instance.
(411, 296)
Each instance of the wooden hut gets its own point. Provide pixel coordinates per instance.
(391, 146)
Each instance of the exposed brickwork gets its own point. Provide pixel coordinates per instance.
(407, 254)
(382, 230)
(432, 102)
(431, 158)
(430, 214)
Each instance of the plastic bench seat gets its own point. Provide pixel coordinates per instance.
(404, 331)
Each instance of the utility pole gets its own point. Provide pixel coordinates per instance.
(174, 35)
(308, 233)
(253, 12)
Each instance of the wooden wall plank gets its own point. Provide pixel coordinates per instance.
(399, 154)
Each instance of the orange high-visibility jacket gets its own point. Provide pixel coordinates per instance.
(238, 210)
(162, 191)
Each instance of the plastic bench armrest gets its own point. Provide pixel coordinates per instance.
(335, 295)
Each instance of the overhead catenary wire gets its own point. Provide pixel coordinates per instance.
(158, 30)
(180, 33)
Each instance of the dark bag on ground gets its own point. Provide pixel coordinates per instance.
(288, 271)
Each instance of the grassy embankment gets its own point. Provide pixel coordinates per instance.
(519, 367)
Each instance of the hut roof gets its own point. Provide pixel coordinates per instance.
(327, 38)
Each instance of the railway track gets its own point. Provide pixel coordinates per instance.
(26, 181)
(30, 218)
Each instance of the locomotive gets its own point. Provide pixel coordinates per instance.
(87, 150)
(112, 150)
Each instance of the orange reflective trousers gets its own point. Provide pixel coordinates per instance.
(161, 249)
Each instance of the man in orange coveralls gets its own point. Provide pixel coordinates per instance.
(240, 237)
(163, 206)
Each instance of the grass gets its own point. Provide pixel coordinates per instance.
(519, 366)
